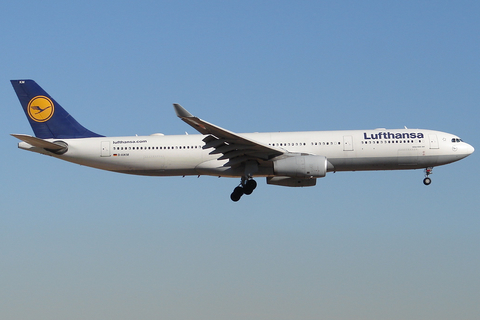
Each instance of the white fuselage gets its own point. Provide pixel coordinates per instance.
(180, 155)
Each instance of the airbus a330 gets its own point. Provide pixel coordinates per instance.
(291, 159)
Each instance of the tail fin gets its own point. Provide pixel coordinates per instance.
(47, 118)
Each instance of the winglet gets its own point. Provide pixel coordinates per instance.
(189, 118)
(181, 111)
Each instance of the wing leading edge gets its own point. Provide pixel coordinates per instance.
(234, 147)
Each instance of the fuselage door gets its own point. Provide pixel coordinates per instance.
(347, 143)
(105, 149)
(433, 141)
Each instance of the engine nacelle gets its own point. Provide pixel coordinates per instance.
(301, 166)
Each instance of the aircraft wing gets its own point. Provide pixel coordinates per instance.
(232, 146)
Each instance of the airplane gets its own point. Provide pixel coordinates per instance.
(291, 159)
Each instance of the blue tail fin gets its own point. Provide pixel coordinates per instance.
(47, 118)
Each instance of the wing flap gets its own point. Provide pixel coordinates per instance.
(237, 161)
(229, 147)
(233, 154)
(215, 143)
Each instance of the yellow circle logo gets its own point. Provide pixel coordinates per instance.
(40, 109)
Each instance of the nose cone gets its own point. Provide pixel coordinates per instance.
(469, 149)
(464, 150)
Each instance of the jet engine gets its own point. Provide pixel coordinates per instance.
(301, 166)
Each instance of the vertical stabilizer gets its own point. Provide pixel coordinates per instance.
(47, 118)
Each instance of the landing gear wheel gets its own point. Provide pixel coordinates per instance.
(427, 180)
(250, 185)
(237, 194)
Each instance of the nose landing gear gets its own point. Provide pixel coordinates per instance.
(427, 180)
(246, 187)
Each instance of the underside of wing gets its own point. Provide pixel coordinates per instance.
(228, 145)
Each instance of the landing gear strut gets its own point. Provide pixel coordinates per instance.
(246, 187)
(427, 180)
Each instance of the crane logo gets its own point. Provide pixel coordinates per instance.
(40, 109)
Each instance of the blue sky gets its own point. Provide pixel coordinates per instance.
(79, 243)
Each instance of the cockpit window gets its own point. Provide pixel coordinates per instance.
(456, 140)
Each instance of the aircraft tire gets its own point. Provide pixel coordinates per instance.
(236, 194)
(250, 185)
(427, 181)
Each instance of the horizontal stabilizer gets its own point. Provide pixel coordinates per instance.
(40, 143)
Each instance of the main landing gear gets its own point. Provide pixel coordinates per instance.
(427, 180)
(246, 187)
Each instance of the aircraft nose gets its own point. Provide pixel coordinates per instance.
(465, 149)
(470, 149)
